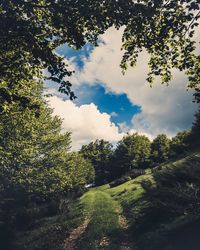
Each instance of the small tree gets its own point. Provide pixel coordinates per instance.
(179, 143)
(133, 151)
(160, 149)
(99, 154)
(195, 132)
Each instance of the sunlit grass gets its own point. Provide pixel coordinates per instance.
(102, 205)
(103, 220)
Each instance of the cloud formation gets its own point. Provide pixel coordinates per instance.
(164, 109)
(85, 122)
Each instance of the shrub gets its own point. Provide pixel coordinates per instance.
(120, 181)
(136, 172)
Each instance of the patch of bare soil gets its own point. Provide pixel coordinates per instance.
(126, 243)
(70, 242)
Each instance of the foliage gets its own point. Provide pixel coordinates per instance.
(70, 175)
(132, 151)
(119, 181)
(99, 154)
(35, 163)
(35, 154)
(162, 208)
(166, 30)
(169, 206)
(163, 213)
(180, 184)
(195, 131)
(180, 144)
(31, 30)
(160, 149)
(30, 143)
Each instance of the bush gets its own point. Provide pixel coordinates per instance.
(169, 206)
(136, 172)
(120, 181)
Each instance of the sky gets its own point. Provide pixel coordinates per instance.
(110, 104)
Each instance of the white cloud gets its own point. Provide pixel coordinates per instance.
(86, 122)
(124, 128)
(164, 109)
(113, 114)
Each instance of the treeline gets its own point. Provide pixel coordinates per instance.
(135, 152)
(37, 170)
(166, 215)
(39, 173)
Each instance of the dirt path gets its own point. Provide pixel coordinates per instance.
(70, 242)
(104, 215)
(126, 244)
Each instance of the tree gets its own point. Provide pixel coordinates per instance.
(171, 212)
(27, 140)
(160, 149)
(166, 30)
(34, 154)
(132, 152)
(31, 30)
(36, 166)
(180, 143)
(195, 131)
(99, 154)
(68, 176)
(30, 139)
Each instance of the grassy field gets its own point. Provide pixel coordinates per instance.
(110, 213)
(127, 201)
(108, 227)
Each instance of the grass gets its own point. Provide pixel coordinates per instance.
(131, 196)
(104, 227)
(103, 206)
(48, 233)
(129, 191)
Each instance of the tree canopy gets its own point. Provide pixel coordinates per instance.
(99, 153)
(34, 152)
(180, 143)
(132, 152)
(31, 30)
(160, 148)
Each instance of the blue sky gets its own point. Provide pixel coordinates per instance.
(77, 55)
(118, 105)
(110, 103)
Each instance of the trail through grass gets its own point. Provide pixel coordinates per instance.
(104, 229)
(103, 218)
(107, 226)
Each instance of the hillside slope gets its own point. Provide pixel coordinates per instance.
(131, 215)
